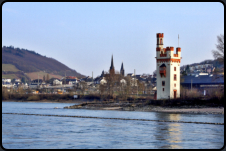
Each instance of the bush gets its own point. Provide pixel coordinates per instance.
(33, 98)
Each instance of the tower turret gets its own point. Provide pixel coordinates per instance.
(160, 37)
(159, 47)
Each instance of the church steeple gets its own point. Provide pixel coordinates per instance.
(112, 68)
(122, 70)
(112, 64)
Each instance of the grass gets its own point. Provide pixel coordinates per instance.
(9, 67)
(9, 76)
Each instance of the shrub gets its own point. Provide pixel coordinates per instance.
(33, 98)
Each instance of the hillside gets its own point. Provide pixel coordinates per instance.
(215, 63)
(28, 61)
(9, 67)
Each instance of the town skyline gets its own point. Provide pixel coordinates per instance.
(84, 36)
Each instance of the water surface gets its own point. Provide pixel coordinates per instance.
(29, 131)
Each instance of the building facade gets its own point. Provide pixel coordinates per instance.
(168, 70)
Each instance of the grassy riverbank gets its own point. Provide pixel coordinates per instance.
(181, 105)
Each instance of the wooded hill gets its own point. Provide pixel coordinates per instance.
(30, 61)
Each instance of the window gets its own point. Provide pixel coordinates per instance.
(175, 77)
(162, 89)
(163, 83)
(175, 68)
(174, 85)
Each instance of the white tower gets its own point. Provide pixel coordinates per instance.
(168, 70)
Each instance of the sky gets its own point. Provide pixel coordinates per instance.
(85, 35)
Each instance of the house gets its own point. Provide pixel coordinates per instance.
(88, 80)
(37, 83)
(123, 82)
(103, 81)
(210, 69)
(133, 82)
(71, 80)
(17, 80)
(57, 82)
(97, 80)
(7, 84)
(6, 80)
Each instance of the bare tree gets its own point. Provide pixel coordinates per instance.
(44, 78)
(83, 86)
(219, 56)
(219, 53)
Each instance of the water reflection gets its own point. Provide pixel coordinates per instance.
(168, 133)
(174, 131)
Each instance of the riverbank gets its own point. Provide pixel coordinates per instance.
(148, 108)
(134, 106)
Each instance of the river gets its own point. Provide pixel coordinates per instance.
(24, 131)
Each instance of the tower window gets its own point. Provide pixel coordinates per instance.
(174, 85)
(163, 83)
(175, 77)
(162, 89)
(175, 68)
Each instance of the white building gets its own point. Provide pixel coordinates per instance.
(6, 80)
(57, 82)
(168, 70)
(103, 81)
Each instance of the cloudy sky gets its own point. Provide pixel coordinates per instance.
(84, 35)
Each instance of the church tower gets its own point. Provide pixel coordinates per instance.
(122, 70)
(112, 68)
(168, 70)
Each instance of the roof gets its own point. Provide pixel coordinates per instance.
(98, 78)
(202, 79)
(70, 80)
(37, 80)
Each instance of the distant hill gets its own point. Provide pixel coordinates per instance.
(27, 61)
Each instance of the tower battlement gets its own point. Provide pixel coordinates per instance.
(169, 49)
(178, 49)
(160, 35)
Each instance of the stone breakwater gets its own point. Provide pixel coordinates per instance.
(114, 118)
(148, 108)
